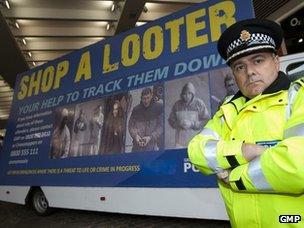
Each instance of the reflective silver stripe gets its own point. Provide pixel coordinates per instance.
(209, 132)
(292, 92)
(222, 120)
(228, 98)
(297, 130)
(210, 155)
(257, 177)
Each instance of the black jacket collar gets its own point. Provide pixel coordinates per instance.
(282, 82)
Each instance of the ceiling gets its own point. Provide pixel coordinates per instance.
(54, 28)
(38, 30)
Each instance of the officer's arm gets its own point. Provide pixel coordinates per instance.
(280, 168)
(210, 153)
(251, 151)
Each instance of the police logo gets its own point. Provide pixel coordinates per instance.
(245, 35)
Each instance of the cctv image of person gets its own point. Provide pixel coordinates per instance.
(188, 116)
(95, 126)
(61, 139)
(80, 127)
(146, 123)
(114, 130)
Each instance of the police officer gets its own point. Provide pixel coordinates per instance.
(255, 141)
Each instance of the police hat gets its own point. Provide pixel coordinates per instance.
(249, 36)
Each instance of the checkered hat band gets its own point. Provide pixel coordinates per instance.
(250, 50)
(254, 39)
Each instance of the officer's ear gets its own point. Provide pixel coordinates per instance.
(277, 61)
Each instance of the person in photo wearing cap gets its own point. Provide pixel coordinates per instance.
(254, 142)
(188, 115)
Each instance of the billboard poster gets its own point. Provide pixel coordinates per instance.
(120, 112)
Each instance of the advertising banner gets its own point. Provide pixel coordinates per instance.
(121, 112)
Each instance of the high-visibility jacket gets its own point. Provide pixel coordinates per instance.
(272, 184)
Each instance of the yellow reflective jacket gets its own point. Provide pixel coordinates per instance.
(272, 184)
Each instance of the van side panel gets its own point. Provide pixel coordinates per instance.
(204, 203)
(14, 194)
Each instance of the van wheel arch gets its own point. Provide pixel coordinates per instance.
(38, 201)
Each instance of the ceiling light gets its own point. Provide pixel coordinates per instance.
(108, 27)
(3, 116)
(17, 25)
(24, 41)
(145, 9)
(34, 64)
(29, 54)
(151, 6)
(139, 23)
(300, 40)
(113, 7)
(7, 4)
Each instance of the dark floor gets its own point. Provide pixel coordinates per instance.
(12, 215)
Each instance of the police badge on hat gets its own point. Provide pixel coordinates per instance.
(245, 35)
(248, 37)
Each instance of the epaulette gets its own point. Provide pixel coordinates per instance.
(299, 82)
(292, 93)
(227, 99)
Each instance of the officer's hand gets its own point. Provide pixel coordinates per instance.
(251, 151)
(224, 176)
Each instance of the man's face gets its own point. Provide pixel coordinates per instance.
(146, 99)
(187, 96)
(254, 73)
(115, 110)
